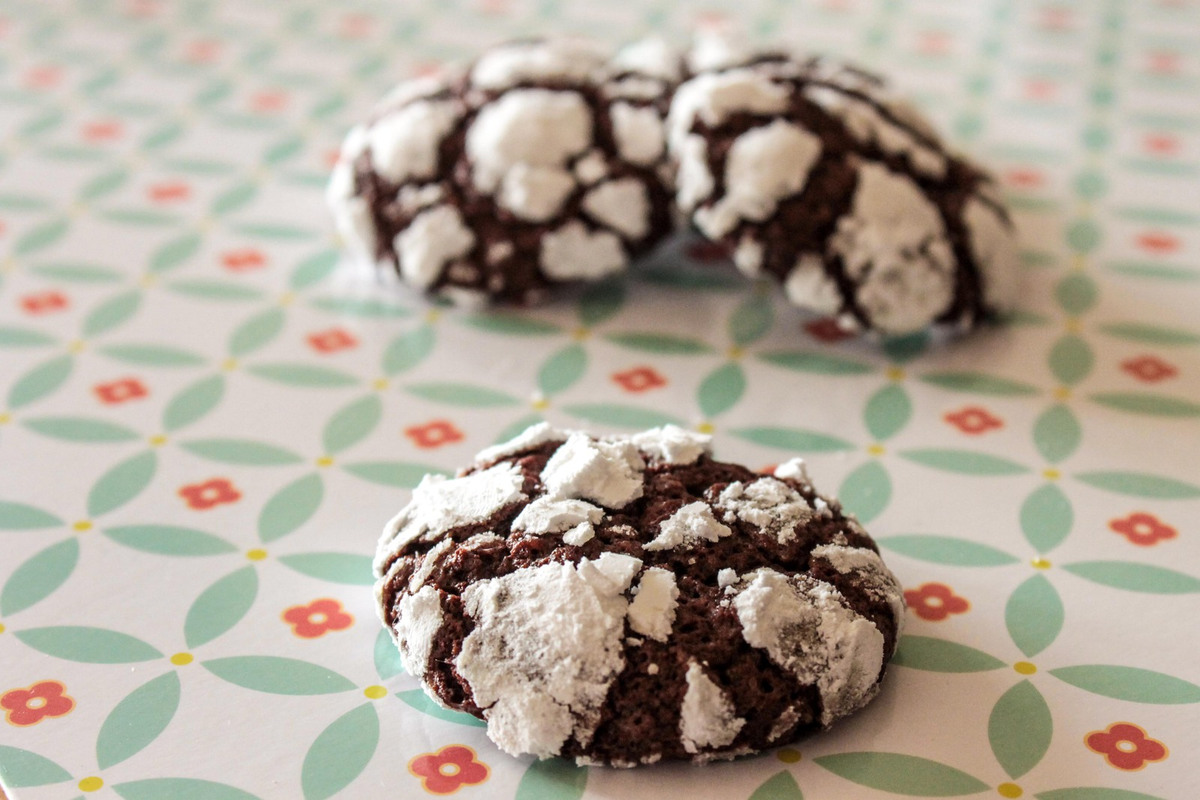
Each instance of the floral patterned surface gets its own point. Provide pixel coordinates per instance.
(204, 422)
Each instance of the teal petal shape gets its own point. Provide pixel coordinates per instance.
(400, 474)
(905, 348)
(462, 394)
(21, 337)
(151, 355)
(1151, 334)
(1140, 484)
(283, 150)
(1076, 293)
(40, 381)
(1046, 517)
(39, 576)
(417, 699)
(796, 440)
(174, 253)
(887, 411)
(387, 657)
(221, 291)
(369, 309)
(562, 370)
(510, 324)
(193, 402)
(1071, 359)
(112, 313)
(39, 236)
(1020, 728)
(137, 720)
(88, 645)
(1094, 793)
(1151, 405)
(555, 777)
(278, 675)
(408, 349)
(122, 483)
(866, 491)
(940, 655)
(22, 769)
(902, 774)
(220, 606)
(104, 183)
(233, 198)
(660, 343)
(340, 753)
(979, 383)
(77, 273)
(313, 269)
(304, 376)
(350, 568)
(179, 789)
(964, 462)
(816, 363)
(1057, 433)
(1129, 683)
(600, 301)
(622, 416)
(242, 452)
(80, 429)
(780, 786)
(290, 507)
(752, 319)
(1034, 615)
(22, 517)
(721, 389)
(351, 424)
(169, 540)
(1135, 577)
(947, 550)
(256, 332)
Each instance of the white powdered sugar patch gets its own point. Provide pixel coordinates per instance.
(805, 628)
(713, 96)
(653, 57)
(434, 238)
(356, 226)
(866, 564)
(609, 473)
(807, 286)
(765, 165)
(545, 648)
(412, 198)
(591, 168)
(793, 469)
(638, 131)
(520, 62)
(404, 143)
(894, 244)
(557, 515)
(726, 577)
(994, 248)
(694, 180)
(786, 721)
(748, 256)
(671, 444)
(572, 251)
(439, 504)
(534, 127)
(621, 205)
(769, 504)
(418, 619)
(430, 559)
(532, 437)
(692, 523)
(708, 718)
(652, 612)
(535, 193)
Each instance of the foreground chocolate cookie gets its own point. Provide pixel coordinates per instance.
(629, 599)
(814, 173)
(539, 164)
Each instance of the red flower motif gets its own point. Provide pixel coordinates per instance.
(214, 492)
(243, 260)
(1143, 529)
(102, 131)
(1056, 18)
(1150, 369)
(973, 420)
(423, 69)
(1040, 89)
(449, 769)
(317, 618)
(935, 602)
(1125, 746)
(168, 191)
(498, 7)
(1157, 242)
(1163, 61)
(332, 340)
(120, 391)
(434, 434)
(43, 77)
(269, 100)
(933, 42)
(1160, 144)
(828, 330)
(202, 51)
(707, 252)
(355, 26)
(1024, 177)
(141, 8)
(44, 302)
(639, 379)
(30, 706)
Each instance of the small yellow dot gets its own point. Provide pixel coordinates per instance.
(1024, 667)
(379, 384)
(83, 525)
(325, 461)
(205, 224)
(788, 755)
(1009, 790)
(1073, 325)
(432, 315)
(257, 554)
(1, 629)
(182, 659)
(287, 298)
(158, 440)
(375, 692)
(876, 449)
(1040, 563)
(1062, 393)
(1051, 474)
(76, 346)
(229, 364)
(5, 418)
(735, 352)
(580, 333)
(1078, 262)
(895, 374)
(90, 784)
(705, 427)
(540, 403)
(147, 281)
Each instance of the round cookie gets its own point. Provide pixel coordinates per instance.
(626, 600)
(814, 173)
(538, 164)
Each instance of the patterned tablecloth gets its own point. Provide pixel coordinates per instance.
(204, 423)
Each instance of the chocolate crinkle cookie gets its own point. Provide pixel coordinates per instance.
(625, 600)
(815, 173)
(540, 163)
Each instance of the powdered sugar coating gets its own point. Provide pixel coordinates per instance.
(708, 718)
(688, 526)
(652, 611)
(606, 472)
(672, 444)
(768, 504)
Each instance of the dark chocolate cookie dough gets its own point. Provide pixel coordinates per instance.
(629, 599)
